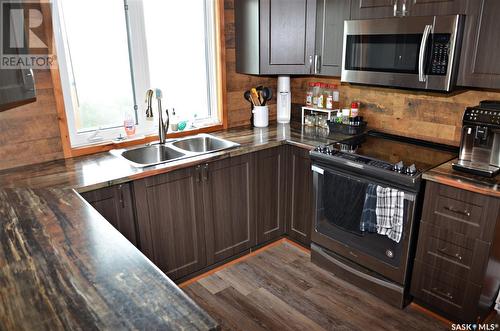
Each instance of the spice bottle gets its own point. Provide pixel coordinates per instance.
(354, 109)
(309, 94)
(329, 97)
(321, 96)
(316, 92)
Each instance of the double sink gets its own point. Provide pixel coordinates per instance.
(173, 150)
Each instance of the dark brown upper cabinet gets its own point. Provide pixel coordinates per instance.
(479, 64)
(365, 9)
(228, 214)
(115, 204)
(330, 18)
(437, 7)
(270, 193)
(275, 36)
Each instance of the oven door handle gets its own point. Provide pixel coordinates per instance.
(423, 49)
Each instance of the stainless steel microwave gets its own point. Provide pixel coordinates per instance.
(420, 52)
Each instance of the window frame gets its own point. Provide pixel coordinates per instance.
(147, 129)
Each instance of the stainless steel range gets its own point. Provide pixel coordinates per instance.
(367, 208)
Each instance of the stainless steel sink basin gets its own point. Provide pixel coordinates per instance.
(173, 150)
(151, 155)
(203, 143)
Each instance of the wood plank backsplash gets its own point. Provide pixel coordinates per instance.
(430, 116)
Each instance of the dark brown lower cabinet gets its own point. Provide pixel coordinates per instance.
(194, 217)
(115, 204)
(270, 193)
(228, 215)
(300, 209)
(458, 253)
(170, 221)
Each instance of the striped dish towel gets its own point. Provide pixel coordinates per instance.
(390, 212)
(497, 305)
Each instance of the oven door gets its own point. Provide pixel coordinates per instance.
(336, 225)
(411, 52)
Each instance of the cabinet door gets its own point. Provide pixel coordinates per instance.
(116, 206)
(228, 199)
(17, 87)
(479, 64)
(330, 33)
(365, 9)
(287, 36)
(270, 193)
(170, 221)
(300, 211)
(437, 7)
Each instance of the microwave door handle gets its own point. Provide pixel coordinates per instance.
(423, 49)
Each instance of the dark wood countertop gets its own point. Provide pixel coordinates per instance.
(444, 174)
(63, 266)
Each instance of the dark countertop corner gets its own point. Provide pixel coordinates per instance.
(445, 174)
(63, 266)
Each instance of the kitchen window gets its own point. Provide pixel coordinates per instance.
(110, 52)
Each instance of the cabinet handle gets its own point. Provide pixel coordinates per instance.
(442, 293)
(310, 64)
(198, 174)
(404, 12)
(458, 211)
(317, 64)
(395, 7)
(205, 172)
(445, 252)
(122, 201)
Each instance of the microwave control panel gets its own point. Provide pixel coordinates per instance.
(440, 50)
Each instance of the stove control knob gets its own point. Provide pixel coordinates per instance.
(411, 170)
(399, 167)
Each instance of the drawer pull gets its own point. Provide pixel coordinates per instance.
(442, 293)
(454, 210)
(445, 252)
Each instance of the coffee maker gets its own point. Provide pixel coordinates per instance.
(480, 143)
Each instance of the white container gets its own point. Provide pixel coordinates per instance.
(260, 116)
(284, 100)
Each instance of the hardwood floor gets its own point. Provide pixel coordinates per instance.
(280, 289)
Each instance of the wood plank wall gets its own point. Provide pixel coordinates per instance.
(430, 116)
(30, 133)
(236, 84)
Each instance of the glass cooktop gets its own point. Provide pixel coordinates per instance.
(393, 150)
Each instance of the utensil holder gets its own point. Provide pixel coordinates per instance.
(260, 116)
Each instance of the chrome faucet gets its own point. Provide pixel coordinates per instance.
(163, 125)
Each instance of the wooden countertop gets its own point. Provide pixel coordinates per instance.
(444, 174)
(63, 266)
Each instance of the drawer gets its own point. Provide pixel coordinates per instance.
(460, 255)
(444, 291)
(467, 213)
